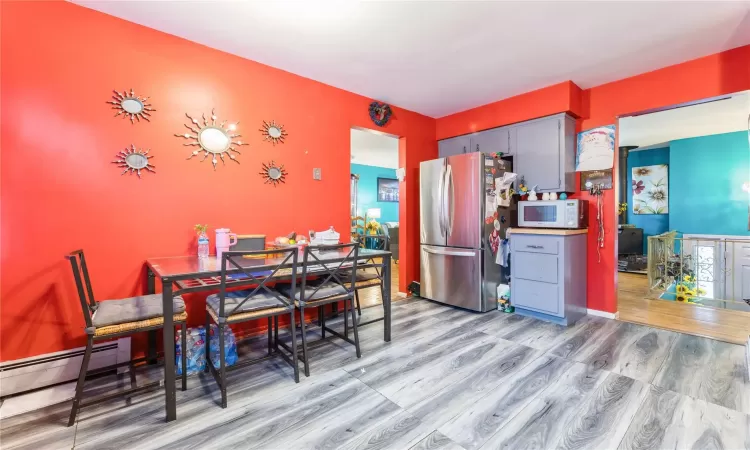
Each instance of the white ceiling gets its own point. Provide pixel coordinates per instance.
(441, 57)
(374, 149)
(657, 129)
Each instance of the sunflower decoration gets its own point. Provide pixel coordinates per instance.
(682, 298)
(681, 289)
(688, 278)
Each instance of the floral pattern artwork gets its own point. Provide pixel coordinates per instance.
(650, 189)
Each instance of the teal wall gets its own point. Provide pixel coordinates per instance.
(705, 184)
(652, 224)
(368, 191)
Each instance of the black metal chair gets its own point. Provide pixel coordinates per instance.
(226, 308)
(331, 264)
(111, 319)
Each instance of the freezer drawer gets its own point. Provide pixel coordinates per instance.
(452, 276)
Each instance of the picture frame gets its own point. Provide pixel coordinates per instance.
(387, 190)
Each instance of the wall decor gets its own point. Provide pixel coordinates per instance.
(273, 174)
(596, 149)
(133, 161)
(651, 189)
(601, 177)
(213, 139)
(273, 132)
(387, 190)
(130, 105)
(380, 113)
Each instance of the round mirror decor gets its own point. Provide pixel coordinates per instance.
(273, 132)
(213, 139)
(273, 174)
(133, 161)
(132, 106)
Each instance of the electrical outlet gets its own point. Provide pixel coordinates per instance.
(316, 174)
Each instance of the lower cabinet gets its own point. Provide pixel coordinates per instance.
(548, 276)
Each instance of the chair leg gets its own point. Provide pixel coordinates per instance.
(81, 380)
(183, 332)
(304, 341)
(322, 315)
(270, 337)
(208, 342)
(356, 335)
(346, 320)
(359, 305)
(131, 371)
(293, 331)
(276, 332)
(222, 367)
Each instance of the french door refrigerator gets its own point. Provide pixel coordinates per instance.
(457, 218)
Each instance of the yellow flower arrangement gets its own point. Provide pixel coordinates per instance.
(688, 278)
(681, 289)
(372, 227)
(682, 298)
(701, 292)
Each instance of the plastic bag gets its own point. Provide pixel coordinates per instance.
(196, 349)
(230, 347)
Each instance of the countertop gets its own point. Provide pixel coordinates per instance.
(547, 231)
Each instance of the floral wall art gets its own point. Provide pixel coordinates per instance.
(651, 189)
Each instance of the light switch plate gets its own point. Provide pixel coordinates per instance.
(316, 174)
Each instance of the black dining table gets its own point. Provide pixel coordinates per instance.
(192, 274)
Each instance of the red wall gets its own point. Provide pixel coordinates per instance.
(710, 76)
(59, 190)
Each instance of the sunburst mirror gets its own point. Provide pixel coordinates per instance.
(214, 139)
(133, 161)
(130, 105)
(274, 174)
(273, 132)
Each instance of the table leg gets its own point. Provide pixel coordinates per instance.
(169, 368)
(152, 337)
(387, 298)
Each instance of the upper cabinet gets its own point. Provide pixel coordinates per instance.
(454, 146)
(543, 150)
(545, 153)
(492, 141)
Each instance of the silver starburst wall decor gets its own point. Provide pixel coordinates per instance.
(214, 139)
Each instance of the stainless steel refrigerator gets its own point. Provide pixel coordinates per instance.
(457, 219)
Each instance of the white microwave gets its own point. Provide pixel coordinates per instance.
(569, 213)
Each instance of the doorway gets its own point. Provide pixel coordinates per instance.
(374, 199)
(684, 233)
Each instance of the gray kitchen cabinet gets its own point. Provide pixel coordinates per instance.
(548, 274)
(454, 146)
(543, 150)
(492, 141)
(545, 153)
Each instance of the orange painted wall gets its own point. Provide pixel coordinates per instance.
(59, 190)
(553, 99)
(710, 76)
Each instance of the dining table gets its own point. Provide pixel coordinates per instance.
(187, 274)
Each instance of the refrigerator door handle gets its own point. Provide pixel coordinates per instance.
(441, 189)
(449, 210)
(448, 252)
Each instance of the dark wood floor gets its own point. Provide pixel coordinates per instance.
(450, 379)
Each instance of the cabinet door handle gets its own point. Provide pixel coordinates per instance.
(464, 149)
(534, 246)
(477, 148)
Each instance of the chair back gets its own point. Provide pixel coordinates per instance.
(83, 285)
(259, 268)
(335, 263)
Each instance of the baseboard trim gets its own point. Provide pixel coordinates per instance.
(598, 313)
(54, 368)
(747, 357)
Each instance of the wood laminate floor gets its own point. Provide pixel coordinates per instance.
(636, 304)
(450, 379)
